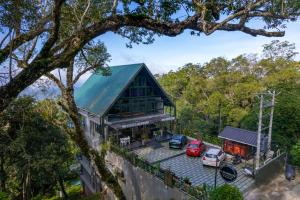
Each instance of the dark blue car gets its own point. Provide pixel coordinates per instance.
(178, 141)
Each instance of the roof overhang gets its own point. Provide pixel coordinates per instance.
(140, 121)
(237, 141)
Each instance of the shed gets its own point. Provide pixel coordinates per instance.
(237, 141)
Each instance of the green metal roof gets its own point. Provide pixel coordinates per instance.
(98, 93)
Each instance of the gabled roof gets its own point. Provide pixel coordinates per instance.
(100, 92)
(239, 135)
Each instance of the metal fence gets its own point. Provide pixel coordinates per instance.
(168, 177)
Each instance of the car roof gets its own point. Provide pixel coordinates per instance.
(213, 151)
(195, 142)
(177, 136)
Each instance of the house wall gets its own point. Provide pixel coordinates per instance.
(140, 185)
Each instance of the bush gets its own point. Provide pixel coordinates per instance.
(226, 192)
(4, 196)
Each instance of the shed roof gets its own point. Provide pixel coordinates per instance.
(99, 92)
(239, 135)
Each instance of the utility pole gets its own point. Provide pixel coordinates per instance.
(271, 120)
(264, 104)
(259, 132)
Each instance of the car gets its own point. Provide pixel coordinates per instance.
(177, 141)
(195, 148)
(213, 157)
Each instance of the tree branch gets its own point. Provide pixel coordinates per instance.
(23, 38)
(5, 37)
(59, 84)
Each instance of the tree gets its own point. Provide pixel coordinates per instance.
(207, 95)
(226, 192)
(91, 58)
(37, 151)
(295, 153)
(63, 28)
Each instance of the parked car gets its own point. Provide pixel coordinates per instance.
(213, 157)
(195, 148)
(177, 141)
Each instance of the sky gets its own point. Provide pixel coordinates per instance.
(170, 53)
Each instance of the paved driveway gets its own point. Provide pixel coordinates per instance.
(158, 152)
(184, 166)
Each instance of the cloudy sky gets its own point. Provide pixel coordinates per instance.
(169, 53)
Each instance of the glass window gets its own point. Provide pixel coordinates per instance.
(210, 155)
(141, 92)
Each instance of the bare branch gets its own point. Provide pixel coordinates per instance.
(77, 77)
(31, 50)
(5, 37)
(243, 12)
(84, 13)
(23, 38)
(59, 84)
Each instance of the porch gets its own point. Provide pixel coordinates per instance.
(135, 132)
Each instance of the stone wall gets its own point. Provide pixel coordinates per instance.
(140, 185)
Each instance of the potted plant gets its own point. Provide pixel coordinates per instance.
(187, 181)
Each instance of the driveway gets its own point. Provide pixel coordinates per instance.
(184, 166)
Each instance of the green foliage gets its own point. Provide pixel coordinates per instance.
(226, 89)
(35, 148)
(295, 153)
(4, 196)
(226, 192)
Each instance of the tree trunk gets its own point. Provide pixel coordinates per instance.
(2, 175)
(26, 186)
(62, 186)
(70, 106)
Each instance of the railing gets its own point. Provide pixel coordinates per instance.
(168, 177)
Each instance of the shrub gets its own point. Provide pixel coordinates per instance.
(4, 196)
(226, 192)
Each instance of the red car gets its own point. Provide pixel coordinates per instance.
(195, 148)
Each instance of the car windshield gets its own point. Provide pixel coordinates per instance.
(210, 155)
(193, 146)
(176, 137)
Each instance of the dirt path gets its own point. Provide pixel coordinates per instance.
(278, 189)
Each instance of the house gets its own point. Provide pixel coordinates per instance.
(241, 142)
(126, 106)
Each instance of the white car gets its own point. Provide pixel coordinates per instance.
(213, 157)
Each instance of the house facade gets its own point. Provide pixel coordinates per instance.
(128, 107)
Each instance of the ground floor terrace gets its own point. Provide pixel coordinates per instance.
(136, 132)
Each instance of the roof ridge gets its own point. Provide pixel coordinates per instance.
(127, 65)
(242, 129)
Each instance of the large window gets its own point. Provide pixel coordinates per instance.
(139, 97)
